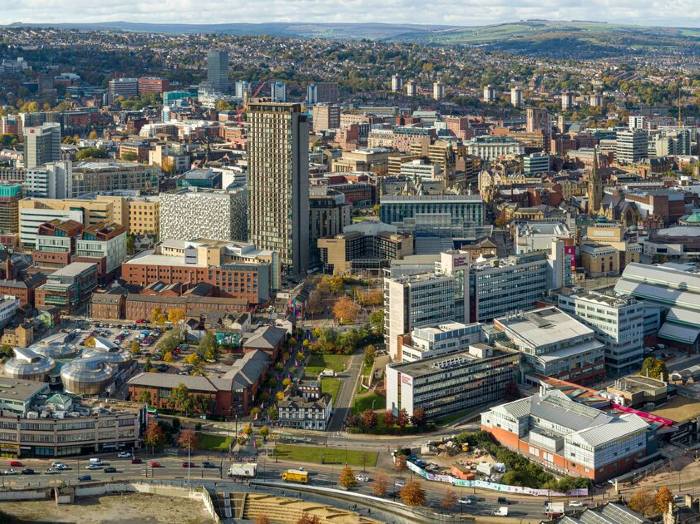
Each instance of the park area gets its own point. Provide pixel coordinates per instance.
(320, 361)
(324, 455)
(211, 442)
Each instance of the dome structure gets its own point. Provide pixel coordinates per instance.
(118, 358)
(87, 376)
(28, 365)
(692, 219)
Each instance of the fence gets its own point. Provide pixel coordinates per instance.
(503, 488)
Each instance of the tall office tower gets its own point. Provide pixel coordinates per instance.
(489, 94)
(438, 90)
(10, 195)
(396, 83)
(278, 182)
(595, 100)
(632, 146)
(217, 70)
(567, 101)
(637, 122)
(122, 87)
(278, 91)
(410, 88)
(42, 144)
(537, 119)
(242, 87)
(516, 96)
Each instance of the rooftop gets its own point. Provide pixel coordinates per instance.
(543, 327)
(20, 390)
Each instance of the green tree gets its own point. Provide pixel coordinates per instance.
(148, 366)
(144, 397)
(264, 433)
(180, 399)
(91, 152)
(207, 348)
(376, 320)
(272, 413)
(134, 347)
(6, 351)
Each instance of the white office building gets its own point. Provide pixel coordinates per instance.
(42, 144)
(618, 323)
(415, 301)
(632, 146)
(494, 147)
(30, 219)
(439, 340)
(52, 180)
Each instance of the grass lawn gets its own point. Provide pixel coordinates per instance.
(454, 417)
(363, 402)
(331, 386)
(319, 362)
(321, 455)
(213, 442)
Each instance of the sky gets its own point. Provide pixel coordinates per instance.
(450, 12)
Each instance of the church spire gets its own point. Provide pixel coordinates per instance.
(595, 187)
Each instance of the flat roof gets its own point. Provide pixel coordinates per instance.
(22, 390)
(543, 327)
(71, 270)
(439, 364)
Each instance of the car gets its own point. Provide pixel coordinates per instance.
(84, 478)
(94, 466)
(59, 466)
(123, 455)
(362, 477)
(163, 368)
(154, 464)
(27, 471)
(15, 464)
(188, 465)
(10, 471)
(207, 464)
(466, 500)
(503, 500)
(575, 504)
(136, 460)
(399, 483)
(52, 471)
(111, 469)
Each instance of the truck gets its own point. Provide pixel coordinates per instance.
(501, 512)
(554, 509)
(243, 470)
(296, 475)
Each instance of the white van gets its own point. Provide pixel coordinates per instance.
(96, 461)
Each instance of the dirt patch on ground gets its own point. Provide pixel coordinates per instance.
(679, 409)
(111, 509)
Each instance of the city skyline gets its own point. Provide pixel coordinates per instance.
(650, 13)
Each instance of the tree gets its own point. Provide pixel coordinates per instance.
(642, 502)
(207, 348)
(369, 419)
(176, 314)
(272, 413)
(187, 439)
(449, 500)
(376, 320)
(662, 499)
(154, 437)
(6, 351)
(147, 365)
(347, 478)
(402, 419)
(389, 419)
(144, 397)
(192, 359)
(157, 316)
(279, 395)
(254, 412)
(345, 310)
(134, 347)
(180, 399)
(264, 433)
(287, 382)
(380, 485)
(418, 418)
(654, 368)
(412, 494)
(168, 357)
(248, 429)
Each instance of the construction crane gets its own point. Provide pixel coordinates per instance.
(244, 106)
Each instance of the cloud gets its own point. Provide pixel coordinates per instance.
(461, 12)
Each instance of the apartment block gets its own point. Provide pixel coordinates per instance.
(439, 340)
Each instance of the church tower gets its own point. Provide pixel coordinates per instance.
(595, 187)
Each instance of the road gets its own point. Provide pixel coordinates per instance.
(343, 402)
(529, 509)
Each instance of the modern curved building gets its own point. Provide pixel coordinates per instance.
(119, 358)
(87, 376)
(28, 365)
